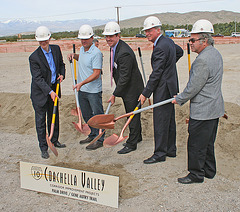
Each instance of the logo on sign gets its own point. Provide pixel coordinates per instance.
(36, 172)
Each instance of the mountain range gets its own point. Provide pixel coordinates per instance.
(13, 27)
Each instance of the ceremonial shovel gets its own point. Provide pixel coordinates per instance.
(83, 128)
(107, 121)
(114, 139)
(50, 144)
(100, 131)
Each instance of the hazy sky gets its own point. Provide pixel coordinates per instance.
(101, 9)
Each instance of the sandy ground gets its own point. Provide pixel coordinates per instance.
(142, 187)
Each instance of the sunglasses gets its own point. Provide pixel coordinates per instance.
(193, 40)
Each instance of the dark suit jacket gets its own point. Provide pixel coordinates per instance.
(163, 78)
(127, 77)
(41, 73)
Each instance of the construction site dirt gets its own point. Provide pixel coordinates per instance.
(142, 187)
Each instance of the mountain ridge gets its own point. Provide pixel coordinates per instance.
(13, 27)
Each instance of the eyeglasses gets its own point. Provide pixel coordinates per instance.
(193, 40)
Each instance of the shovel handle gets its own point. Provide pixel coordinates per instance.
(140, 55)
(136, 108)
(153, 106)
(55, 104)
(74, 62)
(108, 108)
(74, 83)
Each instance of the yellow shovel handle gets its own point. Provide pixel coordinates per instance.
(55, 104)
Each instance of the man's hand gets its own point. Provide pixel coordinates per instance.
(70, 56)
(60, 78)
(174, 101)
(142, 99)
(78, 86)
(112, 99)
(53, 96)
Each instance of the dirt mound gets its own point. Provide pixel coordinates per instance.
(17, 116)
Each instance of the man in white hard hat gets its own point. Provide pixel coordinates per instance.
(46, 66)
(163, 84)
(89, 82)
(206, 103)
(128, 80)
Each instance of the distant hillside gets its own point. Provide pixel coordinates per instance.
(12, 27)
(183, 18)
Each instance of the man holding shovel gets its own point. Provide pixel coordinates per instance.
(89, 80)
(46, 66)
(163, 83)
(128, 80)
(206, 103)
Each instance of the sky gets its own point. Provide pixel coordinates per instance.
(42, 10)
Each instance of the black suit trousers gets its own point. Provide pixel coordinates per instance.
(40, 121)
(201, 157)
(164, 130)
(135, 128)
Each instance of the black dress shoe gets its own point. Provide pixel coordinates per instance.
(45, 155)
(59, 145)
(94, 146)
(154, 160)
(85, 141)
(125, 150)
(188, 180)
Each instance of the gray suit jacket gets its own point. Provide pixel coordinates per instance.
(204, 86)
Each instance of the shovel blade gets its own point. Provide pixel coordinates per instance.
(109, 141)
(120, 139)
(97, 120)
(84, 129)
(51, 146)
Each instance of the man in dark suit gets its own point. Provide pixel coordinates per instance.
(46, 66)
(128, 80)
(163, 83)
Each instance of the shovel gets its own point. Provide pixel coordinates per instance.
(100, 131)
(144, 76)
(83, 128)
(107, 121)
(114, 139)
(74, 111)
(50, 144)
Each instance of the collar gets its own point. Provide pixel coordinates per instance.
(45, 52)
(90, 49)
(155, 42)
(114, 48)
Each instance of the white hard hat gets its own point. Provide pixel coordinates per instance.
(42, 33)
(202, 26)
(111, 28)
(85, 32)
(151, 22)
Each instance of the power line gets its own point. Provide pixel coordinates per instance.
(123, 6)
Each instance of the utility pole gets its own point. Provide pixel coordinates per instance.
(235, 25)
(118, 14)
